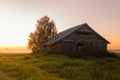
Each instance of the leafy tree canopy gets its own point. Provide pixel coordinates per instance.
(45, 29)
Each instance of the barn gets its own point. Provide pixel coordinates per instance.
(77, 39)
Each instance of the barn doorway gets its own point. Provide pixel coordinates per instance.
(79, 46)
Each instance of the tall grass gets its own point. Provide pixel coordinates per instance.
(59, 67)
(82, 69)
(21, 70)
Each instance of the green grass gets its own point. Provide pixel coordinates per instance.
(58, 67)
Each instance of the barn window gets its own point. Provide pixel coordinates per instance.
(83, 32)
(79, 46)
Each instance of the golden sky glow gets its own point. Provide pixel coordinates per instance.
(18, 18)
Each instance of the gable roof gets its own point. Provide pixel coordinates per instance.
(69, 31)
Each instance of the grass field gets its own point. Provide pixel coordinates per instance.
(57, 67)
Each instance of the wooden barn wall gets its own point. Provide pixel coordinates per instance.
(89, 39)
(68, 47)
(54, 48)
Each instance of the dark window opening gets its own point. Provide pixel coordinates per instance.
(83, 32)
(79, 46)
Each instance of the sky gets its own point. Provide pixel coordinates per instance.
(18, 18)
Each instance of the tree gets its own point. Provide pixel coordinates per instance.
(45, 29)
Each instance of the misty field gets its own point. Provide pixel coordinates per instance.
(58, 67)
